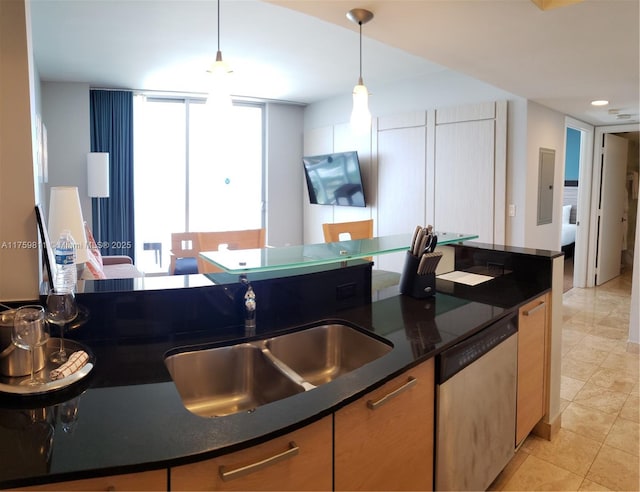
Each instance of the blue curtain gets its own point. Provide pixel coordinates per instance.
(111, 115)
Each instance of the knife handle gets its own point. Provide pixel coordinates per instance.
(419, 237)
(434, 243)
(414, 238)
(422, 265)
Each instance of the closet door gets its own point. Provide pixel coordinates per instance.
(401, 186)
(469, 183)
(464, 178)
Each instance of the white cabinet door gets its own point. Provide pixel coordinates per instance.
(612, 199)
(401, 186)
(464, 178)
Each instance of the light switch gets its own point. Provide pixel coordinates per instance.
(512, 210)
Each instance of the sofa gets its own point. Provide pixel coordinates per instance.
(118, 266)
(100, 267)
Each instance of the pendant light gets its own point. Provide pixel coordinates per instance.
(219, 98)
(360, 115)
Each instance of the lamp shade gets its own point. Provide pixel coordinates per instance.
(98, 174)
(65, 213)
(360, 115)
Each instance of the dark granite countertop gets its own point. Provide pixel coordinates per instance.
(130, 416)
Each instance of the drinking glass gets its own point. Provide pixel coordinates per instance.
(68, 412)
(29, 332)
(61, 308)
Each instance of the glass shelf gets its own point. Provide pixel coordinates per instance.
(280, 258)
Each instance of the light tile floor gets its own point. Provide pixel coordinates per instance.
(597, 447)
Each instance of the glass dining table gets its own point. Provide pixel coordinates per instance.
(271, 259)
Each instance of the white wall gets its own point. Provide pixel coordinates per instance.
(441, 90)
(530, 126)
(337, 138)
(284, 174)
(545, 128)
(516, 171)
(65, 112)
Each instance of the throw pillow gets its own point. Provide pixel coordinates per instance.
(94, 263)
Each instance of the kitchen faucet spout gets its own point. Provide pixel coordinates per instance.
(249, 307)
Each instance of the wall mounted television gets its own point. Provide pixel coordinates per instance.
(334, 179)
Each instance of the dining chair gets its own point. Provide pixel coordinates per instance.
(184, 253)
(341, 231)
(360, 229)
(243, 239)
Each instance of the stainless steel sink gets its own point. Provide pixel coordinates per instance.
(322, 353)
(226, 380)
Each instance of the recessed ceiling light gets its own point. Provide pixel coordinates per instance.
(600, 102)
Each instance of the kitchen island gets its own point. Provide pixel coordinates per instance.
(129, 416)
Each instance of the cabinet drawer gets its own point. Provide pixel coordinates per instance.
(532, 349)
(300, 460)
(152, 480)
(384, 440)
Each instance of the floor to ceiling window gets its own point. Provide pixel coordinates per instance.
(191, 178)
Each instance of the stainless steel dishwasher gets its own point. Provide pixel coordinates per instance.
(476, 407)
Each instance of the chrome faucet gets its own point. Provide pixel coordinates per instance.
(249, 307)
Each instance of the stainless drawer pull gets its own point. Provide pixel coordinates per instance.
(375, 404)
(246, 470)
(533, 310)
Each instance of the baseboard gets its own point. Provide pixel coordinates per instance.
(547, 430)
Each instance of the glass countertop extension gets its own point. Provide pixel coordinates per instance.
(279, 258)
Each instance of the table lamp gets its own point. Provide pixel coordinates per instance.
(65, 213)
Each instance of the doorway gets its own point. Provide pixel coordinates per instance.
(627, 223)
(577, 194)
(586, 193)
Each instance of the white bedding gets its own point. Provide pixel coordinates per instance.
(568, 234)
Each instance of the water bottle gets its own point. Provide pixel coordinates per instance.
(65, 253)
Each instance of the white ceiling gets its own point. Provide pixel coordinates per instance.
(306, 50)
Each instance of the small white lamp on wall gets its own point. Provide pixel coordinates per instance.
(98, 181)
(65, 213)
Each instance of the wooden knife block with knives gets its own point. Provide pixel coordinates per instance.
(419, 273)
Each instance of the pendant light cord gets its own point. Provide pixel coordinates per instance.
(360, 24)
(218, 25)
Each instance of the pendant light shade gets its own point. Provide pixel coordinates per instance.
(219, 97)
(360, 114)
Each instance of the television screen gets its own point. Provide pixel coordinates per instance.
(334, 179)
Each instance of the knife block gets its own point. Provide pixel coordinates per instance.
(414, 285)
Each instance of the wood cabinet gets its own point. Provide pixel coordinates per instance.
(532, 358)
(300, 460)
(384, 440)
(151, 480)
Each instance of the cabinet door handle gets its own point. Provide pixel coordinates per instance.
(376, 404)
(533, 310)
(247, 469)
